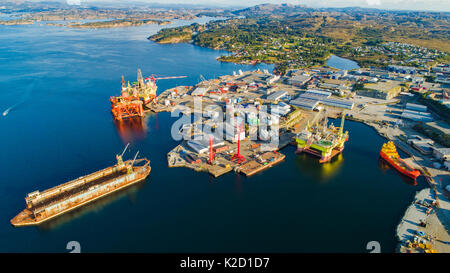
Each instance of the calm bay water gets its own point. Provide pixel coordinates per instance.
(56, 83)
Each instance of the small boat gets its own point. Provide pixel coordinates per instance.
(389, 153)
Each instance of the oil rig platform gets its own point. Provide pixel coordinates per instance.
(322, 140)
(133, 97)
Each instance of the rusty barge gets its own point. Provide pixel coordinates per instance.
(43, 206)
(261, 163)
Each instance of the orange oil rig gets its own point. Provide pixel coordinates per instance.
(133, 98)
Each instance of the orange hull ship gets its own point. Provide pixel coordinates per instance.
(389, 153)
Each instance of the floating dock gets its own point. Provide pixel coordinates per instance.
(43, 206)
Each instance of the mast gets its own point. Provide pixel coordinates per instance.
(211, 154)
(124, 149)
(119, 157)
(341, 129)
(140, 79)
(130, 167)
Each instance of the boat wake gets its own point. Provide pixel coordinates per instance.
(7, 111)
(25, 98)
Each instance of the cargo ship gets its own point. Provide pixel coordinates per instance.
(324, 141)
(48, 204)
(389, 153)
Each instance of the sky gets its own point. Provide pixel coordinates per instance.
(436, 5)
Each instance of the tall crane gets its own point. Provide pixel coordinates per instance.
(315, 119)
(119, 157)
(149, 87)
(341, 129)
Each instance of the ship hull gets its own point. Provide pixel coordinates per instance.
(25, 218)
(411, 174)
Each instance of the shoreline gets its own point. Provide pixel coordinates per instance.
(373, 120)
(436, 226)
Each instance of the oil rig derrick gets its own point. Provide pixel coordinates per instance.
(128, 105)
(134, 97)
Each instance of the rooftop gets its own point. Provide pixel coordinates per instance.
(383, 86)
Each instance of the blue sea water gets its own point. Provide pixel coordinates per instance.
(56, 83)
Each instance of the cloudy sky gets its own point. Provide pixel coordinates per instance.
(437, 5)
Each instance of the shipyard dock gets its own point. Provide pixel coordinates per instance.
(255, 102)
(48, 204)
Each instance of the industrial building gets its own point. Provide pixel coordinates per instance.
(381, 90)
(416, 107)
(311, 98)
(402, 69)
(280, 109)
(416, 112)
(199, 91)
(415, 117)
(200, 143)
(308, 104)
(442, 153)
(426, 114)
(277, 95)
(299, 79)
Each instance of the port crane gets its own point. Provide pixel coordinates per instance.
(148, 85)
(315, 119)
(151, 81)
(237, 156)
(120, 157)
(341, 129)
(309, 125)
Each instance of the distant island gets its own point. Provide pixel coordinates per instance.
(118, 23)
(16, 22)
(59, 14)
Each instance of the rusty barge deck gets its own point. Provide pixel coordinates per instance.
(68, 196)
(266, 160)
